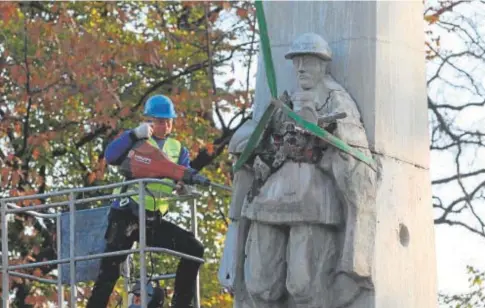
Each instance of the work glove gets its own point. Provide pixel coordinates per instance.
(201, 180)
(181, 188)
(192, 178)
(143, 131)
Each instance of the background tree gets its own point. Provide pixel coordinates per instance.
(74, 75)
(456, 101)
(472, 299)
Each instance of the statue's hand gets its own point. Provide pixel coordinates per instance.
(325, 163)
(301, 99)
(331, 127)
(304, 105)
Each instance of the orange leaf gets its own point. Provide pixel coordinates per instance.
(125, 111)
(112, 123)
(52, 297)
(51, 135)
(7, 11)
(39, 180)
(99, 175)
(91, 177)
(30, 300)
(37, 272)
(210, 148)
(4, 176)
(18, 128)
(431, 19)
(36, 249)
(45, 144)
(189, 3)
(35, 153)
(15, 178)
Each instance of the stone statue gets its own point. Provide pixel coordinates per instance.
(231, 273)
(310, 208)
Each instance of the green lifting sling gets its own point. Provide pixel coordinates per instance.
(255, 137)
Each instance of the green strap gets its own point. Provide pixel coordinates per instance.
(326, 136)
(265, 46)
(255, 137)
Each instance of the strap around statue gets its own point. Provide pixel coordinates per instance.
(255, 137)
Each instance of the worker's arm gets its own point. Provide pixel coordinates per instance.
(184, 158)
(117, 149)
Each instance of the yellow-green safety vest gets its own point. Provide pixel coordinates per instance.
(156, 194)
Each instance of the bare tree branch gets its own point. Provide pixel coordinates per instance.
(456, 94)
(209, 48)
(191, 69)
(458, 177)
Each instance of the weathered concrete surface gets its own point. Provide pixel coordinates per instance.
(404, 262)
(378, 56)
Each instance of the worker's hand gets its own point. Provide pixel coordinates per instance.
(180, 188)
(144, 131)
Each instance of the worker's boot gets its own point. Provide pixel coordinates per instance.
(181, 301)
(186, 276)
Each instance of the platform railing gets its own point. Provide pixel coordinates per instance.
(9, 207)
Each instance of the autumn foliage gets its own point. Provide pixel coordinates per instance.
(73, 75)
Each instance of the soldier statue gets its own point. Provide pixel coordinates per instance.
(304, 211)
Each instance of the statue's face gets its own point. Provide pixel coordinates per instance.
(309, 70)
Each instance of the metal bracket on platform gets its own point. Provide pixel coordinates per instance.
(78, 259)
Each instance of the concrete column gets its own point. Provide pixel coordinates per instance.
(379, 58)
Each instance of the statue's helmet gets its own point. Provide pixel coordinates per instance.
(310, 43)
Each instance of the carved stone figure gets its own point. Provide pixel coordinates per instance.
(231, 274)
(311, 206)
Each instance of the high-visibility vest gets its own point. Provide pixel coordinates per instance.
(156, 194)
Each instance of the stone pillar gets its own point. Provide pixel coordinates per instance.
(378, 52)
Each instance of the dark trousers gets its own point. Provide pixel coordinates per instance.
(123, 232)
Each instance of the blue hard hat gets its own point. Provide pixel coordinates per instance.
(160, 106)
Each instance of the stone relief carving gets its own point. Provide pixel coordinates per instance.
(303, 213)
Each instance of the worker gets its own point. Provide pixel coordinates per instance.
(122, 229)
